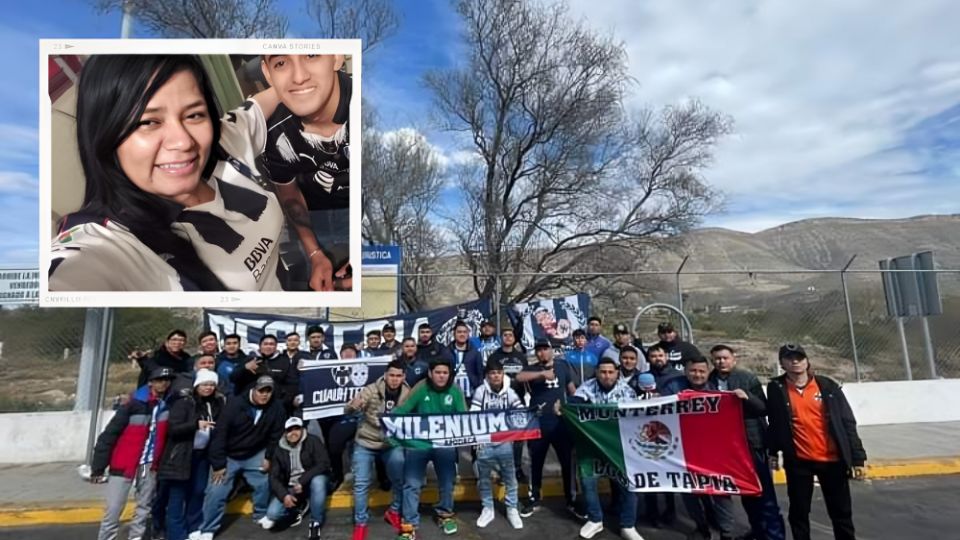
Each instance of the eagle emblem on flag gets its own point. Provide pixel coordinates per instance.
(654, 440)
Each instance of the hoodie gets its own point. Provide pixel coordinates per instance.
(485, 398)
(135, 435)
(297, 464)
(427, 398)
(244, 429)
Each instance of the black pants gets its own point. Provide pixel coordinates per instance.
(836, 494)
(559, 438)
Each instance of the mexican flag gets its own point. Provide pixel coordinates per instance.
(692, 442)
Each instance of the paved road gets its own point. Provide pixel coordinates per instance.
(922, 507)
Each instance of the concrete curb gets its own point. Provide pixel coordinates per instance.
(91, 511)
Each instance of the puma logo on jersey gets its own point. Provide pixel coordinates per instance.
(258, 253)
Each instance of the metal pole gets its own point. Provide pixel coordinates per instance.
(846, 302)
(92, 385)
(680, 292)
(928, 347)
(499, 291)
(126, 24)
(903, 347)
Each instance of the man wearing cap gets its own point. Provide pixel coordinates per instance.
(513, 358)
(495, 394)
(132, 445)
(375, 400)
(372, 346)
(435, 394)
(487, 341)
(812, 424)
(621, 338)
(244, 442)
(549, 381)
(390, 344)
(279, 366)
(319, 349)
(580, 357)
(596, 343)
(678, 351)
(763, 512)
(298, 478)
(605, 388)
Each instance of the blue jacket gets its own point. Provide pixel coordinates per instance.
(584, 363)
(597, 344)
(472, 362)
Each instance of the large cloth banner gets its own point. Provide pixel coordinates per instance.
(692, 442)
(553, 319)
(252, 326)
(425, 431)
(327, 385)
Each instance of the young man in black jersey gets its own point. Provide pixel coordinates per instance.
(308, 156)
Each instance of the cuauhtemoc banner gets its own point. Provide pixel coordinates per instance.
(693, 442)
(328, 385)
(425, 431)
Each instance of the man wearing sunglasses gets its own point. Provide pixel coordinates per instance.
(244, 442)
(812, 424)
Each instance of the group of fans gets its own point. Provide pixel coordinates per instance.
(195, 424)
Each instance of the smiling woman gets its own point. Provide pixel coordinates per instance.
(171, 200)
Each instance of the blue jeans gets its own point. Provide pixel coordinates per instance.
(317, 493)
(185, 503)
(627, 501)
(414, 473)
(500, 457)
(215, 499)
(763, 512)
(363, 461)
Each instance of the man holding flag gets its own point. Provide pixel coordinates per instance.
(606, 388)
(435, 394)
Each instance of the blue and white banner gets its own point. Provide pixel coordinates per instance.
(553, 319)
(252, 326)
(327, 385)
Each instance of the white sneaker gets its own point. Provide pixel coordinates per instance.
(265, 523)
(630, 533)
(205, 536)
(513, 517)
(486, 517)
(591, 529)
(195, 535)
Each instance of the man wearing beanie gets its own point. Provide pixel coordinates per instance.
(184, 466)
(495, 393)
(244, 442)
(435, 394)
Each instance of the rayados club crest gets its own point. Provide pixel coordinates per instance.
(518, 419)
(654, 441)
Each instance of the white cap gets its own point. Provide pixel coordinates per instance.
(293, 421)
(205, 376)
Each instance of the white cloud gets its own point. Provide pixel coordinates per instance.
(19, 144)
(18, 183)
(820, 92)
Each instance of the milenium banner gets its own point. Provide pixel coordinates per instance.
(693, 442)
(461, 429)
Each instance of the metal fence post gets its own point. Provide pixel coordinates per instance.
(499, 299)
(92, 380)
(679, 289)
(846, 302)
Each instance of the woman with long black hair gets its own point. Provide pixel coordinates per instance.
(172, 201)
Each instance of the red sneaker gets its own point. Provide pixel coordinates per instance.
(392, 517)
(360, 532)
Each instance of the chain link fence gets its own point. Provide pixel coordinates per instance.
(754, 312)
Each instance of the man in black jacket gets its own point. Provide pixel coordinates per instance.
(763, 512)
(299, 475)
(812, 424)
(678, 350)
(280, 367)
(169, 355)
(243, 442)
(428, 348)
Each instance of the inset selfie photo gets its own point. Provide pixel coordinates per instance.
(218, 171)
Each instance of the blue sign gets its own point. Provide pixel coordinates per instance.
(380, 255)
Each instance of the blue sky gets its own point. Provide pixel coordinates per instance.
(841, 108)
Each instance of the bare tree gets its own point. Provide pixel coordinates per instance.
(563, 173)
(401, 185)
(204, 18)
(370, 20)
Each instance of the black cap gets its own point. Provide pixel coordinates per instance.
(620, 329)
(665, 327)
(389, 328)
(162, 373)
(493, 364)
(263, 381)
(542, 344)
(791, 349)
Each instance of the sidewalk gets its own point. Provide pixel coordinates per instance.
(54, 493)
